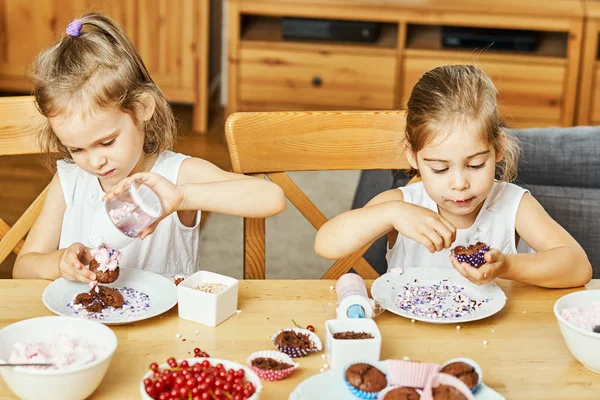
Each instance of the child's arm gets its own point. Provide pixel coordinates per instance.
(39, 257)
(385, 213)
(559, 260)
(206, 187)
(203, 186)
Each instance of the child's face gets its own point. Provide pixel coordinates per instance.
(105, 143)
(458, 172)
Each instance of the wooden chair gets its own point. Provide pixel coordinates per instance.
(19, 123)
(271, 143)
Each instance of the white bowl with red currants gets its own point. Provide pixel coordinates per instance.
(200, 378)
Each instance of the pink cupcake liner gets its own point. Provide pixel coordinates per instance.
(438, 379)
(385, 391)
(272, 375)
(295, 352)
(410, 373)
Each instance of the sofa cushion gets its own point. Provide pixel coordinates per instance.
(560, 156)
(576, 210)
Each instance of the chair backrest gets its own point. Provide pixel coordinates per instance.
(19, 124)
(272, 143)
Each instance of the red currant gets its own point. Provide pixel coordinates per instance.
(310, 328)
(154, 367)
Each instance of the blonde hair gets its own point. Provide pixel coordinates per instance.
(100, 67)
(448, 94)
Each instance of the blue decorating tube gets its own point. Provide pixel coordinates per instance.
(356, 311)
(353, 301)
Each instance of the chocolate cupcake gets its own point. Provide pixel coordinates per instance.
(472, 254)
(400, 393)
(296, 342)
(271, 365)
(105, 263)
(466, 370)
(108, 276)
(99, 298)
(364, 380)
(351, 335)
(447, 392)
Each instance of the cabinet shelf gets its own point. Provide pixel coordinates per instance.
(427, 40)
(259, 31)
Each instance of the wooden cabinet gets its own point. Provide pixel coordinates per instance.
(301, 78)
(266, 72)
(171, 36)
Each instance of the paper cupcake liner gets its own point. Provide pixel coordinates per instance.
(474, 364)
(445, 379)
(272, 375)
(361, 394)
(296, 352)
(475, 260)
(385, 391)
(410, 373)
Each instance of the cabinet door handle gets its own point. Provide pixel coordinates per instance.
(317, 81)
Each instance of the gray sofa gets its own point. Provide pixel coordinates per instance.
(561, 168)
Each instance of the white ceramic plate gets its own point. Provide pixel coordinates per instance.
(161, 291)
(386, 288)
(330, 385)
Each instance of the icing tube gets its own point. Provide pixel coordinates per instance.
(353, 301)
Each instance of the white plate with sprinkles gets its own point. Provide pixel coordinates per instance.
(437, 295)
(146, 295)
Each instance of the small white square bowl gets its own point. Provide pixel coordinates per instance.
(207, 308)
(341, 352)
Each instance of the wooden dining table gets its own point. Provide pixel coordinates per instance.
(520, 349)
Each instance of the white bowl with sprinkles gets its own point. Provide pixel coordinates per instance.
(437, 295)
(207, 298)
(146, 295)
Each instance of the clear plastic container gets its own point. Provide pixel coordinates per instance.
(121, 219)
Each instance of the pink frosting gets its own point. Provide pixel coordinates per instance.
(583, 319)
(106, 257)
(61, 351)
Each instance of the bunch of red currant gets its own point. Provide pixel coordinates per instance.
(201, 381)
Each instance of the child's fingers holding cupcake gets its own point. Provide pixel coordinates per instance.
(464, 269)
(490, 270)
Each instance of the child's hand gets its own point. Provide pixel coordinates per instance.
(494, 266)
(71, 264)
(170, 195)
(426, 227)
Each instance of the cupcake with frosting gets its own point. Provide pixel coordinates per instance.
(472, 254)
(105, 263)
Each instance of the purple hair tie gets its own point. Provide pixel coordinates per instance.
(74, 28)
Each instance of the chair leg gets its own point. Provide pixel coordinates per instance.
(254, 248)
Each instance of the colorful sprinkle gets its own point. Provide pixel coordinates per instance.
(441, 301)
(208, 287)
(136, 304)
